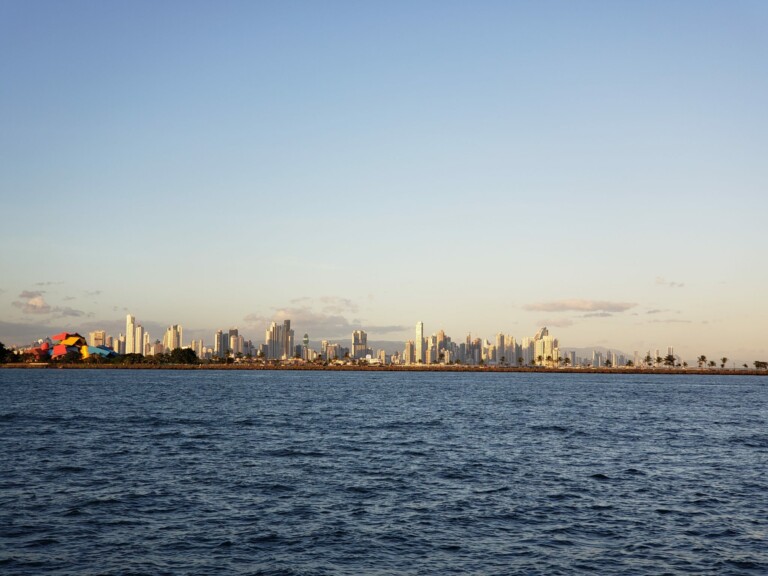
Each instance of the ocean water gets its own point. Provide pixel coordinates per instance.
(162, 472)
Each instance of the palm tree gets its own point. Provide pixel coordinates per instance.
(567, 361)
(549, 361)
(723, 360)
(539, 359)
(701, 360)
(520, 361)
(712, 364)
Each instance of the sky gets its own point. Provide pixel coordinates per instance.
(595, 167)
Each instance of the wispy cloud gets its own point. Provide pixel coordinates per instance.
(669, 283)
(33, 305)
(328, 304)
(93, 293)
(29, 294)
(556, 322)
(48, 283)
(669, 321)
(598, 315)
(577, 305)
(33, 302)
(326, 317)
(67, 312)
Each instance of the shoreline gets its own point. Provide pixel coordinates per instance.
(395, 368)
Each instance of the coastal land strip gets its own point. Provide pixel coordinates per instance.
(389, 368)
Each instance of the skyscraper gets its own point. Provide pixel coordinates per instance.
(501, 349)
(279, 340)
(130, 334)
(288, 350)
(97, 338)
(138, 340)
(359, 344)
(419, 342)
(219, 346)
(173, 337)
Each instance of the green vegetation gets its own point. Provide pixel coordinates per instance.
(5, 354)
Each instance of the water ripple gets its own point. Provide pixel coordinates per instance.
(137, 472)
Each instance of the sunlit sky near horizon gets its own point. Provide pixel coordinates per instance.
(600, 168)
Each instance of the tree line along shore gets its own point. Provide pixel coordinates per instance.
(386, 368)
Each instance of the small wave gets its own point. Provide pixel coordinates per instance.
(634, 472)
(727, 533)
(751, 441)
(407, 424)
(69, 469)
(168, 434)
(665, 511)
(563, 496)
(746, 564)
(269, 537)
(279, 488)
(551, 428)
(106, 501)
(359, 490)
(600, 477)
(455, 474)
(493, 490)
(246, 422)
(291, 452)
(41, 542)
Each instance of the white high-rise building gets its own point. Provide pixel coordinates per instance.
(119, 344)
(146, 348)
(219, 346)
(138, 340)
(501, 350)
(409, 356)
(97, 338)
(419, 342)
(279, 341)
(130, 335)
(172, 338)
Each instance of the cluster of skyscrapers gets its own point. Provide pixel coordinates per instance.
(505, 350)
(279, 344)
(542, 349)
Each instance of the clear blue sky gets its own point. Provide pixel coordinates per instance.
(599, 167)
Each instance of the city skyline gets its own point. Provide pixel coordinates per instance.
(594, 168)
(280, 343)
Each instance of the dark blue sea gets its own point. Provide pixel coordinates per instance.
(311, 473)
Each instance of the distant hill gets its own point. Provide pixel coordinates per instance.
(390, 346)
(586, 352)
